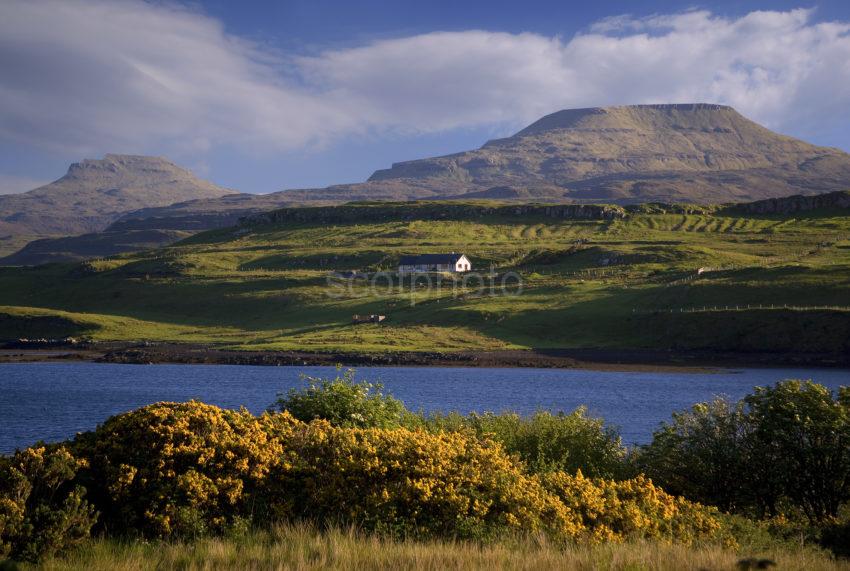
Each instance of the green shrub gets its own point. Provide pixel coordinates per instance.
(800, 442)
(42, 511)
(548, 442)
(344, 402)
(835, 536)
(703, 454)
(544, 441)
(782, 445)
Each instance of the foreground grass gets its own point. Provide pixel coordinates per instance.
(300, 547)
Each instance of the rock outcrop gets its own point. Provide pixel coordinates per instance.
(797, 203)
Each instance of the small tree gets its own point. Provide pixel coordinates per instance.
(702, 455)
(801, 435)
(784, 444)
(344, 402)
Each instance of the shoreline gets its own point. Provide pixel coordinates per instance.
(627, 360)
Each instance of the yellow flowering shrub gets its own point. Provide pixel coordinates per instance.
(179, 468)
(616, 510)
(414, 482)
(42, 510)
(173, 469)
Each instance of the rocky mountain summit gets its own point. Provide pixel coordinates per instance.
(94, 193)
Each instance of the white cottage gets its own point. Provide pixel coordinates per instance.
(434, 263)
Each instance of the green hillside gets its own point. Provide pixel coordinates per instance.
(592, 277)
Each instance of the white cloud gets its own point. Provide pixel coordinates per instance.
(82, 75)
(128, 75)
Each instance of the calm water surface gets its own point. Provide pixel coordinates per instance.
(53, 401)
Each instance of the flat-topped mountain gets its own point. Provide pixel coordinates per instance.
(94, 193)
(678, 152)
(696, 152)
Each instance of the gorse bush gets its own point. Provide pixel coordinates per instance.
(42, 510)
(782, 445)
(612, 510)
(544, 441)
(177, 469)
(182, 470)
(414, 483)
(344, 402)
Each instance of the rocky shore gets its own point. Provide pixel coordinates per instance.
(601, 359)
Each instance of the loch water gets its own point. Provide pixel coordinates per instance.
(54, 401)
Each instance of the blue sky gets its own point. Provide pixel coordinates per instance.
(262, 96)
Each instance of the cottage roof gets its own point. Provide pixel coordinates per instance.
(426, 259)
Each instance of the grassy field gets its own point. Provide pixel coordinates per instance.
(768, 283)
(300, 548)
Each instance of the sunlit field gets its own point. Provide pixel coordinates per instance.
(714, 280)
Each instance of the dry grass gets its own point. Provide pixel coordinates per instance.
(304, 548)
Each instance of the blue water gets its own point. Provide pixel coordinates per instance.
(53, 401)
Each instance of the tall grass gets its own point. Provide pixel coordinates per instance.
(302, 547)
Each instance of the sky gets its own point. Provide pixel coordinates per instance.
(267, 95)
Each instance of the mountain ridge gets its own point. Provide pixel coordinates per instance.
(95, 192)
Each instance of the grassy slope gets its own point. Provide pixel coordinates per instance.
(267, 288)
(300, 548)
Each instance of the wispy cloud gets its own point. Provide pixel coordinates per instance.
(86, 75)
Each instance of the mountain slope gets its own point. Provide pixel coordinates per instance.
(688, 152)
(96, 192)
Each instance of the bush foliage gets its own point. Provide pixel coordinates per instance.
(611, 510)
(543, 441)
(547, 442)
(787, 445)
(177, 470)
(187, 469)
(411, 482)
(344, 402)
(42, 509)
